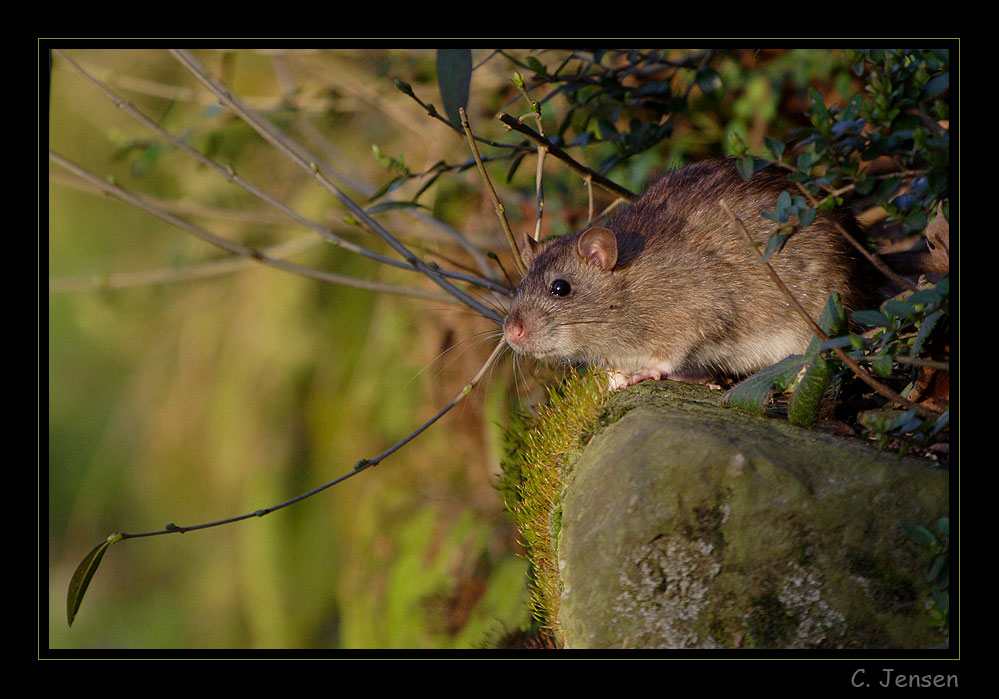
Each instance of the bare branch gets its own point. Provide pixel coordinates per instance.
(204, 270)
(497, 205)
(238, 248)
(234, 178)
(279, 141)
(557, 152)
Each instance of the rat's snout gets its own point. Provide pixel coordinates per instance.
(514, 331)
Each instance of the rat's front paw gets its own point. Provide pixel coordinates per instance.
(619, 381)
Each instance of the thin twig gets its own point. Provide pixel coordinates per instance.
(279, 141)
(238, 248)
(188, 208)
(431, 111)
(919, 361)
(234, 178)
(821, 334)
(868, 254)
(557, 152)
(214, 268)
(290, 93)
(360, 466)
(543, 147)
(540, 188)
(497, 204)
(589, 198)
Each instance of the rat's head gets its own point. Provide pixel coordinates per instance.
(572, 294)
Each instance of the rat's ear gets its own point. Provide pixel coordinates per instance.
(599, 246)
(529, 250)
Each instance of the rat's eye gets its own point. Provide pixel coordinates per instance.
(560, 287)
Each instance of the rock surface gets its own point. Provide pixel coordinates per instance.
(687, 525)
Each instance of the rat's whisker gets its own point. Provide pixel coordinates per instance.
(465, 344)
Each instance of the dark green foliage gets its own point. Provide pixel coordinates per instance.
(938, 570)
(898, 116)
(904, 328)
(899, 112)
(454, 76)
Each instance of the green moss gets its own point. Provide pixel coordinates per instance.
(539, 450)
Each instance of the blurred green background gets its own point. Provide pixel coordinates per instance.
(201, 399)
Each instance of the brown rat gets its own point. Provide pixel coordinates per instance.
(669, 289)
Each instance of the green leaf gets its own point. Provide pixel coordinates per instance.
(897, 309)
(864, 185)
(738, 146)
(454, 76)
(883, 365)
(872, 319)
(942, 598)
(537, 66)
(925, 328)
(783, 201)
(943, 526)
(818, 106)
(915, 221)
(774, 244)
(775, 147)
(753, 394)
(832, 320)
(83, 574)
(936, 567)
(842, 342)
(888, 188)
(710, 83)
(389, 186)
(386, 205)
(746, 167)
(918, 533)
(807, 397)
(936, 86)
(924, 298)
(806, 160)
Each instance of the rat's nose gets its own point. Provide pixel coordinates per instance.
(514, 331)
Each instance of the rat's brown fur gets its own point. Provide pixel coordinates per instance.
(683, 294)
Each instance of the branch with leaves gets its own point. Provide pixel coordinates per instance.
(88, 566)
(860, 373)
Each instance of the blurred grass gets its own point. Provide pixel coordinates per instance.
(199, 400)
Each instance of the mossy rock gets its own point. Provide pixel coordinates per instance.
(688, 525)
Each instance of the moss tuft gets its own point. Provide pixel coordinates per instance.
(538, 451)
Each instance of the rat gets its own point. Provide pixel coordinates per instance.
(670, 289)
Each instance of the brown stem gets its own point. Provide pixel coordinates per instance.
(557, 152)
(492, 192)
(871, 256)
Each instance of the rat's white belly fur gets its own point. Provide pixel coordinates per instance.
(742, 357)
